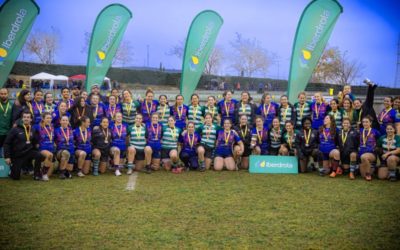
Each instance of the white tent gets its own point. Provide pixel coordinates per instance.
(43, 76)
(60, 78)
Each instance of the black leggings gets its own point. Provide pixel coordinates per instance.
(189, 159)
(23, 161)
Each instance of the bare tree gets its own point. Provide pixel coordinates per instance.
(349, 70)
(42, 45)
(336, 67)
(214, 61)
(177, 50)
(124, 53)
(249, 56)
(213, 64)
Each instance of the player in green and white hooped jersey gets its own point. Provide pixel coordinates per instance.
(208, 133)
(137, 142)
(389, 146)
(336, 113)
(163, 110)
(128, 108)
(302, 108)
(196, 111)
(244, 131)
(212, 108)
(289, 140)
(169, 145)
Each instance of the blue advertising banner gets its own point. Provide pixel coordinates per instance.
(4, 168)
(269, 164)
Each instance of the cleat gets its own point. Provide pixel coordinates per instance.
(45, 177)
(129, 172)
(368, 178)
(117, 172)
(80, 174)
(352, 176)
(333, 174)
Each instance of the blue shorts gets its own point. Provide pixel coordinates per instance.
(156, 148)
(224, 153)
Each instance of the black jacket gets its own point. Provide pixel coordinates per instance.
(15, 144)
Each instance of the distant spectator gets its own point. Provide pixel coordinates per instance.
(238, 86)
(260, 89)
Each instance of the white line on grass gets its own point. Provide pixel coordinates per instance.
(132, 182)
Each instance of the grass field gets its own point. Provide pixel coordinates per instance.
(200, 210)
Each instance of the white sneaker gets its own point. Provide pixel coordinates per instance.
(45, 177)
(80, 174)
(129, 172)
(117, 173)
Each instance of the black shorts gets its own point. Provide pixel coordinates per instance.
(247, 151)
(208, 151)
(139, 155)
(273, 151)
(165, 153)
(305, 154)
(104, 157)
(345, 157)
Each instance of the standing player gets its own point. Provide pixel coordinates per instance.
(267, 109)
(302, 108)
(195, 111)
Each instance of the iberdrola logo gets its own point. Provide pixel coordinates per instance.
(305, 58)
(3, 55)
(100, 56)
(261, 164)
(194, 62)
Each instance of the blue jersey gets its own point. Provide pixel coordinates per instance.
(82, 140)
(180, 113)
(45, 137)
(226, 141)
(318, 113)
(98, 114)
(327, 141)
(147, 109)
(189, 142)
(119, 134)
(227, 110)
(154, 135)
(268, 112)
(261, 138)
(368, 140)
(385, 117)
(38, 109)
(57, 117)
(64, 139)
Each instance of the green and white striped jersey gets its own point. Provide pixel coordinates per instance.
(301, 112)
(164, 114)
(338, 116)
(196, 115)
(245, 109)
(170, 137)
(208, 134)
(137, 136)
(213, 111)
(129, 111)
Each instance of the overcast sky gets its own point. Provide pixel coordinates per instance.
(367, 29)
